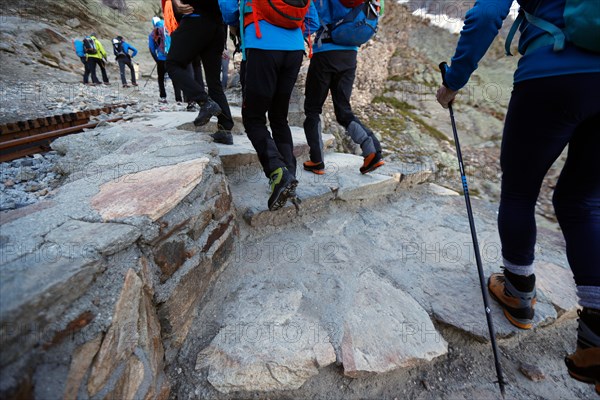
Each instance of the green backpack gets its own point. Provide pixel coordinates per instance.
(582, 27)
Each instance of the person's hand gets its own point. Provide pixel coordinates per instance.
(182, 8)
(445, 96)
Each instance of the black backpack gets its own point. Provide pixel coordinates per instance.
(118, 47)
(89, 45)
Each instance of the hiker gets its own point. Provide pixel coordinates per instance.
(121, 51)
(333, 69)
(158, 43)
(273, 57)
(554, 103)
(225, 68)
(97, 56)
(200, 34)
(79, 50)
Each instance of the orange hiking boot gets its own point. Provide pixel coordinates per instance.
(584, 364)
(371, 163)
(315, 168)
(518, 306)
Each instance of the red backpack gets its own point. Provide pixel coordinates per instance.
(283, 13)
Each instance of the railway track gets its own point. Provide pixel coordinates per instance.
(28, 137)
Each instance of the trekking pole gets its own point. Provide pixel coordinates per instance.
(488, 314)
(150, 76)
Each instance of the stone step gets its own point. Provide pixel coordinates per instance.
(342, 181)
(241, 154)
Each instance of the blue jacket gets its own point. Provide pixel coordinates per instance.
(154, 50)
(78, 45)
(126, 48)
(482, 23)
(273, 37)
(330, 11)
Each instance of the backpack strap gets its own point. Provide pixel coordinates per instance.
(554, 35)
(513, 30)
(557, 34)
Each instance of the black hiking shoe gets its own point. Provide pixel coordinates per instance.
(584, 364)
(191, 106)
(371, 163)
(517, 305)
(207, 110)
(222, 136)
(283, 185)
(314, 167)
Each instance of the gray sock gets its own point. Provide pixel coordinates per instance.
(524, 270)
(589, 296)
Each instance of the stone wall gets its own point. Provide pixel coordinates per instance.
(98, 285)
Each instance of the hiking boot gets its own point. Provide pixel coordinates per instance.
(517, 305)
(584, 364)
(162, 100)
(222, 136)
(315, 168)
(134, 84)
(107, 83)
(371, 163)
(207, 110)
(191, 106)
(283, 185)
(125, 85)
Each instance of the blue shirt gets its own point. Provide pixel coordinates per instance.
(482, 23)
(273, 37)
(330, 11)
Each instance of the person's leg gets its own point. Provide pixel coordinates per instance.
(577, 205)
(197, 71)
(161, 70)
(224, 71)
(211, 61)
(318, 80)
(103, 70)
(86, 70)
(543, 116)
(278, 111)
(122, 71)
(186, 43)
(132, 70)
(92, 63)
(261, 80)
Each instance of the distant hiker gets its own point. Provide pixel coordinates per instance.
(554, 103)
(200, 33)
(225, 68)
(79, 50)
(97, 55)
(333, 69)
(159, 43)
(273, 56)
(121, 51)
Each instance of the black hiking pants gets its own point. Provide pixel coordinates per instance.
(90, 69)
(161, 69)
(200, 36)
(331, 71)
(269, 81)
(544, 116)
(86, 69)
(126, 61)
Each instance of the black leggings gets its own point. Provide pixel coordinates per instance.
(544, 115)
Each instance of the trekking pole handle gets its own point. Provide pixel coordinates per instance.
(443, 66)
